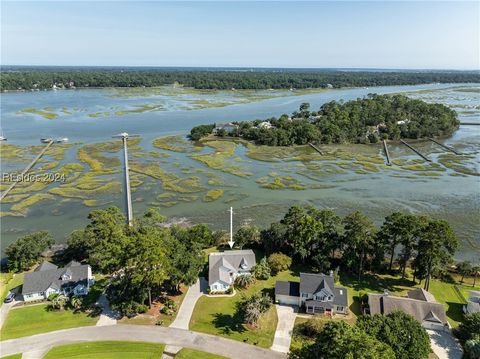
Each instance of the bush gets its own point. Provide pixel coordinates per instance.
(472, 348)
(469, 327)
(243, 281)
(251, 308)
(279, 262)
(261, 270)
(229, 290)
(310, 329)
(130, 308)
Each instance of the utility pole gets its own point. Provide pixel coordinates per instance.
(124, 136)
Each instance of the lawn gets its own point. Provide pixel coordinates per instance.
(14, 356)
(216, 315)
(195, 354)
(35, 319)
(107, 350)
(9, 281)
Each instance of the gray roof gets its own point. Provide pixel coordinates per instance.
(43, 278)
(421, 294)
(419, 309)
(45, 266)
(313, 283)
(221, 264)
(284, 287)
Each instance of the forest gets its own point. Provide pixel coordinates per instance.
(364, 120)
(27, 78)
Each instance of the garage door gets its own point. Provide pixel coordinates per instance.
(286, 299)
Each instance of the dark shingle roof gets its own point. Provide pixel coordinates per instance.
(45, 266)
(284, 287)
(41, 280)
(313, 283)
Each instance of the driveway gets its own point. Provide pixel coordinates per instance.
(444, 345)
(41, 343)
(108, 316)
(182, 320)
(185, 311)
(283, 334)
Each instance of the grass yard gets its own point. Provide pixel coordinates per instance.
(216, 315)
(9, 281)
(107, 350)
(195, 354)
(14, 356)
(35, 319)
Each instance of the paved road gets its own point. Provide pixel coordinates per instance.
(4, 309)
(444, 345)
(283, 335)
(153, 334)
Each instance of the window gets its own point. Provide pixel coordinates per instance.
(340, 309)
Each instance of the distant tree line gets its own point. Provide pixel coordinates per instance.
(26, 78)
(365, 120)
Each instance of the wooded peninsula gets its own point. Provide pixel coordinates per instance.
(36, 78)
(365, 120)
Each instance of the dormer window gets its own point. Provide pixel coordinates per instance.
(243, 264)
(66, 277)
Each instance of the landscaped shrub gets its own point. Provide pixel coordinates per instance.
(243, 281)
(310, 328)
(279, 262)
(261, 270)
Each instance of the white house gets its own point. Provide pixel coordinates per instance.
(47, 279)
(224, 267)
(265, 125)
(473, 303)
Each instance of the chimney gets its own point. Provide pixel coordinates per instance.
(331, 273)
(386, 293)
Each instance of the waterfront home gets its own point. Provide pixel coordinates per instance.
(473, 302)
(316, 293)
(47, 279)
(224, 267)
(419, 303)
(226, 127)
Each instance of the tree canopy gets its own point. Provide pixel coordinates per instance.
(15, 78)
(26, 251)
(364, 120)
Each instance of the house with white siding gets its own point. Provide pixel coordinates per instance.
(47, 278)
(224, 267)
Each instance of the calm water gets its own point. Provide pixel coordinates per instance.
(448, 196)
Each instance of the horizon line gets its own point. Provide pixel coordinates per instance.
(248, 67)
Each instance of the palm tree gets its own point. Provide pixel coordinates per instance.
(59, 302)
(243, 281)
(475, 271)
(76, 302)
(465, 269)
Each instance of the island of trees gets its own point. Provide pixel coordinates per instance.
(27, 78)
(365, 120)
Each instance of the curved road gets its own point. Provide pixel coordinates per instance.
(41, 343)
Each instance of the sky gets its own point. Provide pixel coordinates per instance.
(340, 34)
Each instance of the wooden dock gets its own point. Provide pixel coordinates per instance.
(315, 148)
(416, 151)
(385, 149)
(445, 146)
(469, 123)
(26, 169)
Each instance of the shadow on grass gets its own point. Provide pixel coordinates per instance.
(375, 283)
(455, 311)
(228, 323)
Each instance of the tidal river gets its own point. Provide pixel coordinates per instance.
(199, 182)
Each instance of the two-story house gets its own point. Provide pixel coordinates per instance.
(224, 267)
(316, 293)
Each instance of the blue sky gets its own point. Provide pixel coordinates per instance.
(440, 35)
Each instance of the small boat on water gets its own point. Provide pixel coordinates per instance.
(46, 140)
